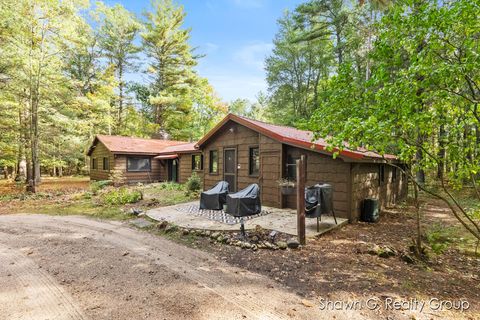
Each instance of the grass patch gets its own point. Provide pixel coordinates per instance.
(441, 238)
(81, 207)
(123, 195)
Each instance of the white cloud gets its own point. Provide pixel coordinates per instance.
(254, 55)
(249, 3)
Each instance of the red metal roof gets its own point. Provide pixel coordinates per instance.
(292, 136)
(129, 145)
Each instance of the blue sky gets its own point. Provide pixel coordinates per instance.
(235, 35)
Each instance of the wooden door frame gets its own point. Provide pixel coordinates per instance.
(234, 148)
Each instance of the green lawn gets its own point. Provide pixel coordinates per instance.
(106, 202)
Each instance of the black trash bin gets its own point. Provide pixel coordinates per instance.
(370, 211)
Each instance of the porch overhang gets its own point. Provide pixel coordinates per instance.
(166, 157)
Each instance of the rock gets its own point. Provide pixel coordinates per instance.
(281, 245)
(268, 245)
(374, 250)
(293, 243)
(273, 234)
(258, 229)
(162, 224)
(207, 233)
(185, 232)
(255, 239)
(135, 211)
(215, 235)
(254, 247)
(221, 239)
(126, 253)
(390, 252)
(170, 228)
(246, 245)
(141, 223)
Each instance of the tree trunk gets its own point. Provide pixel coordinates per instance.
(441, 152)
(120, 97)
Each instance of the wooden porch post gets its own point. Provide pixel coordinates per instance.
(301, 199)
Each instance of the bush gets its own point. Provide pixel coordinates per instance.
(194, 183)
(171, 186)
(122, 196)
(99, 185)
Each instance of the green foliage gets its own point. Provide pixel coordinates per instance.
(99, 185)
(440, 238)
(122, 195)
(70, 72)
(170, 186)
(193, 184)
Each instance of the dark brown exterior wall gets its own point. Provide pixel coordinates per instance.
(99, 153)
(366, 184)
(185, 167)
(242, 138)
(325, 169)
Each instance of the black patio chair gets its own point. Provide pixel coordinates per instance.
(318, 201)
(215, 198)
(244, 203)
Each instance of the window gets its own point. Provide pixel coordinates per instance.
(213, 161)
(291, 168)
(105, 164)
(253, 161)
(381, 174)
(197, 162)
(139, 164)
(94, 163)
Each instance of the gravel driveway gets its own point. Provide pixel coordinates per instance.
(78, 268)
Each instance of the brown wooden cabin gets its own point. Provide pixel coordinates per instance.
(243, 151)
(133, 160)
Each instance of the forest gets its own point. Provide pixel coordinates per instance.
(399, 77)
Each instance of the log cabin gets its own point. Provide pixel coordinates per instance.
(243, 151)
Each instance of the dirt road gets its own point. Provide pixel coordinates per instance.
(78, 268)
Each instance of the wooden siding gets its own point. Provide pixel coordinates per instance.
(366, 184)
(99, 153)
(271, 163)
(145, 177)
(185, 167)
(240, 138)
(325, 169)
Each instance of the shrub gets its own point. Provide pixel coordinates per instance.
(122, 195)
(194, 183)
(99, 185)
(172, 186)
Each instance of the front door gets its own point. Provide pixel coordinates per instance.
(230, 168)
(173, 170)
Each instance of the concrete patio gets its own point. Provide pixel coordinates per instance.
(282, 220)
